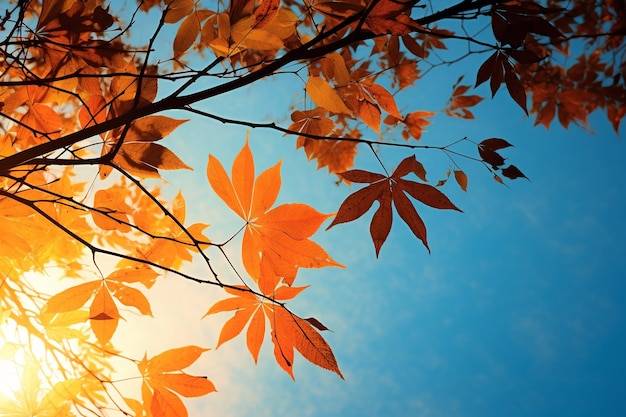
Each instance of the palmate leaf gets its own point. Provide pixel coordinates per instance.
(282, 233)
(388, 190)
(163, 379)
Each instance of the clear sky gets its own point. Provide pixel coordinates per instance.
(518, 310)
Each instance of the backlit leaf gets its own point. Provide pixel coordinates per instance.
(325, 96)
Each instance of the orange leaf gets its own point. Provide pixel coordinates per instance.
(178, 9)
(114, 209)
(370, 114)
(131, 297)
(235, 324)
(298, 221)
(222, 186)
(103, 315)
(265, 13)
(175, 359)
(186, 35)
(282, 233)
(152, 128)
(142, 273)
(167, 404)
(183, 384)
(461, 179)
(145, 158)
(256, 333)
(72, 298)
(243, 178)
(384, 99)
(291, 331)
(325, 96)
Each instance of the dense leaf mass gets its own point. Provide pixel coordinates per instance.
(88, 134)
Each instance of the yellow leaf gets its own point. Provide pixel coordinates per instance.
(131, 297)
(325, 96)
(72, 298)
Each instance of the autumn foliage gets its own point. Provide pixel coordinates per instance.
(88, 135)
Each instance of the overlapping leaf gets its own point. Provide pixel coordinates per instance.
(288, 330)
(104, 314)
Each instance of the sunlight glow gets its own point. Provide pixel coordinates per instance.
(9, 353)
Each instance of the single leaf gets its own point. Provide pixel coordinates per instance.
(183, 384)
(256, 333)
(486, 69)
(408, 165)
(325, 96)
(370, 114)
(167, 404)
(175, 359)
(384, 99)
(243, 178)
(494, 144)
(103, 315)
(223, 187)
(516, 89)
(152, 128)
(316, 323)
(408, 213)
(265, 13)
(177, 10)
(290, 331)
(461, 179)
(186, 35)
(513, 172)
(361, 176)
(427, 194)
(72, 298)
(235, 325)
(382, 219)
(358, 203)
(131, 297)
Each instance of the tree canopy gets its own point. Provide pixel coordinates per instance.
(89, 98)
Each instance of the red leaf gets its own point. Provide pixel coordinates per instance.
(513, 172)
(361, 176)
(486, 69)
(381, 221)
(516, 89)
(427, 194)
(494, 144)
(408, 213)
(461, 179)
(410, 164)
(358, 203)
